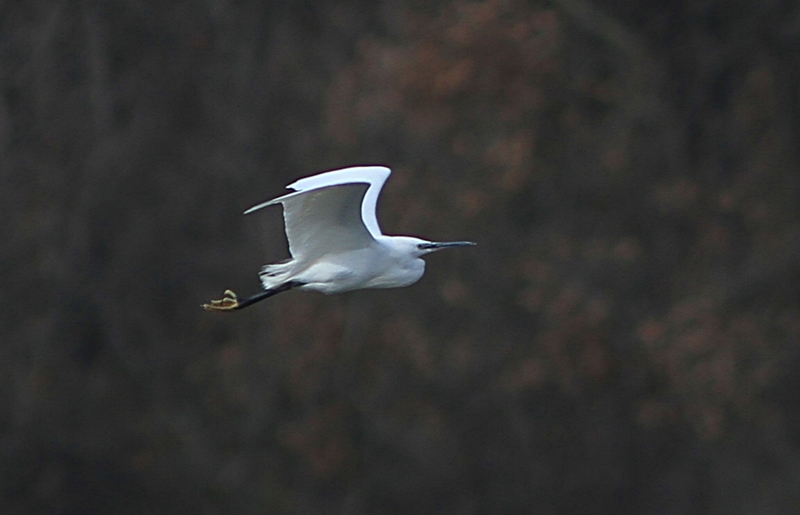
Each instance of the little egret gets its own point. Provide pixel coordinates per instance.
(335, 242)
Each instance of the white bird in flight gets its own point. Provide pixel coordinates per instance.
(335, 242)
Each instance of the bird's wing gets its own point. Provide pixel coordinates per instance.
(332, 211)
(375, 176)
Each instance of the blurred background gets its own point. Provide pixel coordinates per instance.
(625, 339)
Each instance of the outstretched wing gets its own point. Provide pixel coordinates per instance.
(331, 212)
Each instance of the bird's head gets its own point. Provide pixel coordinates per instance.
(419, 247)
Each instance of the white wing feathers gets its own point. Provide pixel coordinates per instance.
(331, 212)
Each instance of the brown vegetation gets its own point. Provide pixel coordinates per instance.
(624, 339)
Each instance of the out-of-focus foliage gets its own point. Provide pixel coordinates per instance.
(624, 339)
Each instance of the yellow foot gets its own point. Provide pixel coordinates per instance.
(227, 303)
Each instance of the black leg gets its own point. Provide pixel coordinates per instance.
(266, 294)
(230, 301)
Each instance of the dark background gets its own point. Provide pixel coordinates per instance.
(624, 339)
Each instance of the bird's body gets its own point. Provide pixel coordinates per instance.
(378, 266)
(335, 241)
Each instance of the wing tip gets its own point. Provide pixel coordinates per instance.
(260, 206)
(320, 180)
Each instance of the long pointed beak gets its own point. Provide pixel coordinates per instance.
(437, 245)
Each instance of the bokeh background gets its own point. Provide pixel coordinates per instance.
(624, 340)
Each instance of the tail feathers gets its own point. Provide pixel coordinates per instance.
(275, 274)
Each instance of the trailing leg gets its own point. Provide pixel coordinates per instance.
(230, 301)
